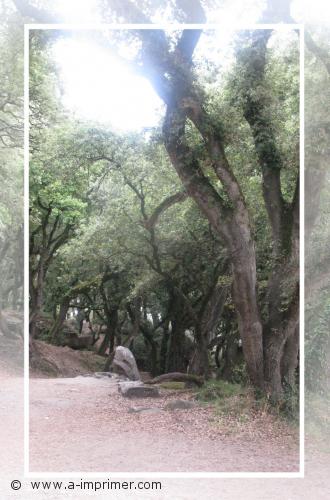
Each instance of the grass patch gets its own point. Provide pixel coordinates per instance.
(237, 411)
(218, 390)
(239, 403)
(233, 404)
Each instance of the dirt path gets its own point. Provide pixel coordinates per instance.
(83, 424)
(64, 435)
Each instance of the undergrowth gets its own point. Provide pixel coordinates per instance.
(242, 401)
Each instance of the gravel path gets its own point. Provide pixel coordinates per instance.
(83, 424)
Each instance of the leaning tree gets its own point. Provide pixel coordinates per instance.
(270, 342)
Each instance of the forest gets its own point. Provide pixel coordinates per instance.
(180, 240)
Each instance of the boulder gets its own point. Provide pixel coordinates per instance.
(124, 363)
(137, 390)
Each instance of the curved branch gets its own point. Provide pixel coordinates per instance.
(164, 205)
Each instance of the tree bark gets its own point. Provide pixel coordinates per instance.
(176, 359)
(199, 363)
(36, 292)
(164, 348)
(148, 335)
(64, 306)
(110, 334)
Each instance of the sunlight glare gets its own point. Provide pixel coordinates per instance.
(98, 87)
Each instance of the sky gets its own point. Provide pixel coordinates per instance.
(99, 87)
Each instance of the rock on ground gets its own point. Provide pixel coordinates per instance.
(137, 390)
(124, 363)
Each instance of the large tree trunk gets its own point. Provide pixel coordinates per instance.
(273, 350)
(277, 345)
(209, 315)
(248, 317)
(199, 362)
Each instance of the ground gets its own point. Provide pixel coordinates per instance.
(80, 422)
(101, 433)
(83, 424)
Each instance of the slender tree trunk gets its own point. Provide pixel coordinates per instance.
(64, 306)
(148, 336)
(164, 348)
(37, 296)
(176, 352)
(110, 334)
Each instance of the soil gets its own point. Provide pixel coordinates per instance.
(83, 424)
(57, 361)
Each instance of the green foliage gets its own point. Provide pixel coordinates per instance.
(11, 161)
(216, 390)
(289, 407)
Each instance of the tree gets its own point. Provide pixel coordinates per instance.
(11, 160)
(172, 76)
(212, 181)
